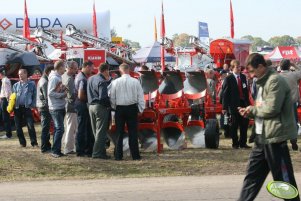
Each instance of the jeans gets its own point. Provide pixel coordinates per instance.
(58, 120)
(84, 137)
(45, 136)
(5, 117)
(24, 114)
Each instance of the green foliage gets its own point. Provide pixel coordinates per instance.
(113, 32)
(133, 44)
(285, 40)
(181, 40)
(256, 42)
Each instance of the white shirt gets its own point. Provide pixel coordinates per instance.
(5, 88)
(127, 91)
(259, 103)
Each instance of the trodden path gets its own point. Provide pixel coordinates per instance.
(221, 188)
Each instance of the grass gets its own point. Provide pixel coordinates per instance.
(23, 164)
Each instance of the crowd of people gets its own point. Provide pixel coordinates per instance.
(233, 86)
(79, 104)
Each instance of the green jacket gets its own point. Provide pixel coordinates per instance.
(279, 123)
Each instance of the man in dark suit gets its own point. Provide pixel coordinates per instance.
(236, 94)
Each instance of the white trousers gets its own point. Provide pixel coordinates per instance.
(70, 132)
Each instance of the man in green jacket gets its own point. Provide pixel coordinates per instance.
(274, 125)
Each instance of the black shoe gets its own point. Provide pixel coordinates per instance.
(22, 145)
(118, 159)
(57, 155)
(108, 143)
(137, 159)
(235, 146)
(295, 146)
(105, 157)
(35, 145)
(70, 152)
(245, 147)
(46, 151)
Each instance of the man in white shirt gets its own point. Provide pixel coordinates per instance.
(4, 95)
(126, 97)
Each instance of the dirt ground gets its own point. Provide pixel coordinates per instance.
(26, 164)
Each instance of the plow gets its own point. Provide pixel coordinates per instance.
(178, 109)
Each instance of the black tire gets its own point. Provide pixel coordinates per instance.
(212, 134)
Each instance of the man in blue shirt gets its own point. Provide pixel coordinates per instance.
(26, 100)
(84, 137)
(99, 109)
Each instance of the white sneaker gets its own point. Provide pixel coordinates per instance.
(5, 137)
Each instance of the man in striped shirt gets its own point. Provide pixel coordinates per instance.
(127, 98)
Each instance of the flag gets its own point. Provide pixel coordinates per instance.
(203, 29)
(231, 20)
(204, 32)
(94, 22)
(156, 33)
(162, 23)
(162, 36)
(26, 31)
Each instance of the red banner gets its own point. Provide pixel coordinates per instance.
(96, 56)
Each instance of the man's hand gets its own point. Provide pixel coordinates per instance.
(224, 111)
(244, 111)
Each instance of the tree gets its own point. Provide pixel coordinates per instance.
(132, 44)
(256, 42)
(285, 40)
(113, 32)
(181, 40)
(298, 40)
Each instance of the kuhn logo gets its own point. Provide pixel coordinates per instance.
(94, 57)
(4, 24)
(287, 52)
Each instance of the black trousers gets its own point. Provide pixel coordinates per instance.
(242, 123)
(238, 121)
(5, 117)
(263, 159)
(127, 115)
(84, 141)
(25, 114)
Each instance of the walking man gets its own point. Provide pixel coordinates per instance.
(56, 101)
(71, 116)
(128, 99)
(274, 125)
(4, 95)
(42, 105)
(25, 100)
(99, 109)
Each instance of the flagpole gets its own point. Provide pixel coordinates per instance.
(26, 31)
(156, 33)
(231, 20)
(94, 22)
(162, 38)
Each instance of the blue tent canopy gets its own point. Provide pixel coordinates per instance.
(151, 54)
